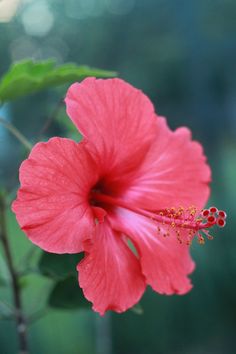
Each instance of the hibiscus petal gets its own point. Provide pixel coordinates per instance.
(52, 204)
(117, 120)
(164, 261)
(110, 273)
(173, 173)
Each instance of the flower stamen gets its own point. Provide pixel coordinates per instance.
(196, 223)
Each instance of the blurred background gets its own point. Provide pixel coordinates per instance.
(182, 55)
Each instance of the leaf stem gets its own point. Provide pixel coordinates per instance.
(19, 136)
(18, 311)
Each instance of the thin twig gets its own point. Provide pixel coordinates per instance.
(37, 315)
(6, 312)
(16, 133)
(6, 305)
(18, 311)
(51, 118)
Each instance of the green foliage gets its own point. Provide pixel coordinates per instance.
(27, 77)
(67, 294)
(59, 266)
(137, 309)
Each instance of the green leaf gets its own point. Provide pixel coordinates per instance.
(59, 266)
(137, 309)
(27, 77)
(67, 294)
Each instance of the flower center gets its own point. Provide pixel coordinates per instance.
(196, 223)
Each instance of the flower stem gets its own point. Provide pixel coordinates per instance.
(16, 133)
(18, 311)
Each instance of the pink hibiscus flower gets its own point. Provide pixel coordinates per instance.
(124, 196)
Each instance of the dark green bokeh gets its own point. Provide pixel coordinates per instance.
(182, 54)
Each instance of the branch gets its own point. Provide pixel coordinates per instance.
(16, 133)
(18, 311)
